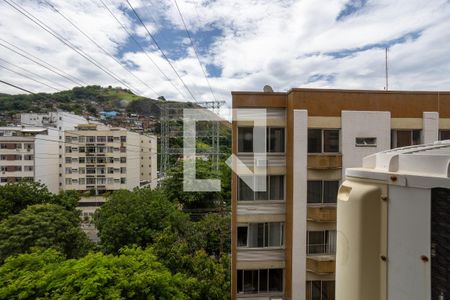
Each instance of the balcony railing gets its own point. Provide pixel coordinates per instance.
(321, 249)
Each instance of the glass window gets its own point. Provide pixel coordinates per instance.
(404, 138)
(250, 281)
(320, 290)
(275, 280)
(319, 191)
(314, 140)
(321, 242)
(274, 188)
(331, 141)
(242, 233)
(261, 235)
(263, 281)
(275, 140)
(245, 139)
(259, 281)
(366, 142)
(444, 135)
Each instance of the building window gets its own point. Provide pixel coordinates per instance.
(28, 168)
(321, 242)
(322, 192)
(123, 138)
(69, 181)
(82, 181)
(68, 171)
(404, 138)
(275, 139)
(444, 135)
(123, 170)
(82, 160)
(274, 189)
(366, 142)
(110, 139)
(320, 290)
(123, 159)
(68, 160)
(101, 139)
(323, 141)
(261, 235)
(90, 139)
(81, 139)
(123, 180)
(259, 281)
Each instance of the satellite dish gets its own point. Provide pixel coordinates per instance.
(268, 89)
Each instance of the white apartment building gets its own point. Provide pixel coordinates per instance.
(284, 239)
(29, 153)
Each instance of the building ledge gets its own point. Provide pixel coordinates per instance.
(321, 213)
(321, 264)
(325, 161)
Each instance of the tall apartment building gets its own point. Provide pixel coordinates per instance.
(99, 159)
(284, 239)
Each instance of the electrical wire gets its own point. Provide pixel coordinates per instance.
(141, 48)
(98, 46)
(28, 77)
(160, 50)
(17, 87)
(195, 50)
(46, 28)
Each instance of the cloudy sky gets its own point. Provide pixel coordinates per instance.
(241, 44)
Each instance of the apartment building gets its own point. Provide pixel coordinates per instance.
(284, 239)
(99, 159)
(29, 153)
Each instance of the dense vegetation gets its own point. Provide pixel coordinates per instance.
(150, 247)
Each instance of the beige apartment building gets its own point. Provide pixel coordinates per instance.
(284, 239)
(98, 159)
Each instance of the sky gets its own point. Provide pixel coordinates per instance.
(242, 45)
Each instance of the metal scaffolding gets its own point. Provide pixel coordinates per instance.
(172, 131)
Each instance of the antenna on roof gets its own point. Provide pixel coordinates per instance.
(387, 71)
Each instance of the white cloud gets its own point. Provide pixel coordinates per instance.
(282, 43)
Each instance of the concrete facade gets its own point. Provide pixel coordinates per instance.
(325, 131)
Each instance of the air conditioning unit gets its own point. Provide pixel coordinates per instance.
(393, 224)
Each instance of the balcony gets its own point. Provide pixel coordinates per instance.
(321, 264)
(324, 161)
(321, 213)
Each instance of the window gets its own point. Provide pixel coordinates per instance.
(68, 181)
(259, 281)
(320, 290)
(123, 138)
(245, 139)
(68, 160)
(123, 159)
(82, 149)
(323, 140)
(123, 170)
(68, 149)
(101, 139)
(82, 160)
(28, 168)
(321, 242)
(274, 189)
(82, 170)
(444, 135)
(90, 139)
(82, 139)
(68, 171)
(82, 181)
(366, 142)
(261, 235)
(404, 138)
(110, 139)
(242, 234)
(68, 139)
(274, 135)
(275, 140)
(90, 180)
(123, 180)
(322, 192)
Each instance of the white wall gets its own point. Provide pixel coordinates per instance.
(133, 159)
(363, 124)
(430, 127)
(299, 204)
(46, 160)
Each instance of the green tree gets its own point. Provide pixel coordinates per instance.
(17, 196)
(133, 218)
(173, 187)
(134, 274)
(43, 226)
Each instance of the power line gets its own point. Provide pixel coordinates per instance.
(195, 50)
(140, 47)
(26, 76)
(46, 28)
(37, 75)
(98, 46)
(160, 50)
(42, 63)
(17, 87)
